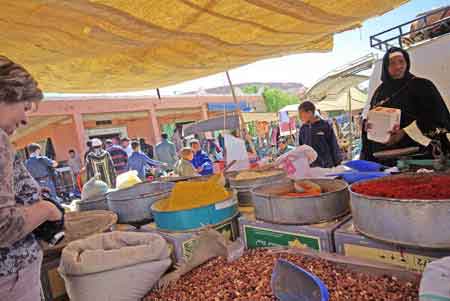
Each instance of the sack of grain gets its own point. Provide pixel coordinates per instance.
(114, 266)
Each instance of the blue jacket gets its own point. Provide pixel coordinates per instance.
(39, 167)
(201, 159)
(139, 161)
(320, 136)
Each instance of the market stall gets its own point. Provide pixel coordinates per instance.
(188, 223)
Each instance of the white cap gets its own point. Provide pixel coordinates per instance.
(96, 142)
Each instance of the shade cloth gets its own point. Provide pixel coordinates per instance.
(122, 45)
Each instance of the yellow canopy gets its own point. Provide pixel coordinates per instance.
(126, 45)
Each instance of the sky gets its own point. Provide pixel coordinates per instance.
(308, 68)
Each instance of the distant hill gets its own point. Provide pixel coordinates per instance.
(293, 88)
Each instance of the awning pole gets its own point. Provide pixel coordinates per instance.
(238, 109)
(350, 146)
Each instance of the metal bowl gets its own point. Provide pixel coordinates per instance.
(270, 206)
(243, 188)
(195, 218)
(413, 223)
(133, 205)
(97, 203)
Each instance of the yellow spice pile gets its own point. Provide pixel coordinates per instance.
(188, 195)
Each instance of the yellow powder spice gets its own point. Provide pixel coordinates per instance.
(188, 195)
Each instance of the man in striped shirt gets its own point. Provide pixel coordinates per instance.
(118, 155)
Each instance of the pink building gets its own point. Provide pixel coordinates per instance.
(70, 122)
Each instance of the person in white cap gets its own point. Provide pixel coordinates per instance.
(99, 162)
(424, 114)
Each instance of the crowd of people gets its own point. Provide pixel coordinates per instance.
(185, 158)
(109, 158)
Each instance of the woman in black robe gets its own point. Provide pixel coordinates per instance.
(424, 114)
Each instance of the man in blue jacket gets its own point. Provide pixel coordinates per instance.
(201, 161)
(140, 162)
(318, 134)
(41, 168)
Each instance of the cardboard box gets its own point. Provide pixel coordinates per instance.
(351, 243)
(53, 287)
(319, 237)
(182, 243)
(382, 121)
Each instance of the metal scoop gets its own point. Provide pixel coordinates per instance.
(292, 283)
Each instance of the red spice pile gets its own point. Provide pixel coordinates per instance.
(249, 279)
(422, 187)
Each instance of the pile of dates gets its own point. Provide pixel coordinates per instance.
(248, 278)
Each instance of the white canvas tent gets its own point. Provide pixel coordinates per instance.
(341, 102)
(338, 88)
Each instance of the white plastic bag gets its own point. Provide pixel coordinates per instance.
(127, 179)
(297, 162)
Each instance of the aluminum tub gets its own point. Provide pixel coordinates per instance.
(196, 218)
(133, 205)
(413, 223)
(243, 188)
(330, 205)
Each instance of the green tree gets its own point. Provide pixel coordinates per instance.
(275, 99)
(252, 89)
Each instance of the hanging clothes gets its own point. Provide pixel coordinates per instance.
(49, 149)
(275, 135)
(262, 128)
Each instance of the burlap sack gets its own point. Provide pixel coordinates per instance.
(116, 266)
(435, 282)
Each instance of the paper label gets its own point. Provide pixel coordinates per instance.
(256, 237)
(409, 261)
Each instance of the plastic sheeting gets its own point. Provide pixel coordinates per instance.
(229, 122)
(122, 45)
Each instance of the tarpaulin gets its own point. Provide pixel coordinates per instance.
(229, 122)
(228, 106)
(123, 45)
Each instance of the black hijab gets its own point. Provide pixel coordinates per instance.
(391, 85)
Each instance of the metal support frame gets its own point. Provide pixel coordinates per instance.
(378, 43)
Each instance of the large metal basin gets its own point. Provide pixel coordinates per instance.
(271, 207)
(195, 218)
(243, 188)
(133, 205)
(97, 203)
(413, 223)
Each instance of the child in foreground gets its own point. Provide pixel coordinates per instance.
(184, 167)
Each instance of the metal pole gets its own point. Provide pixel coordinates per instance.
(238, 109)
(350, 147)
